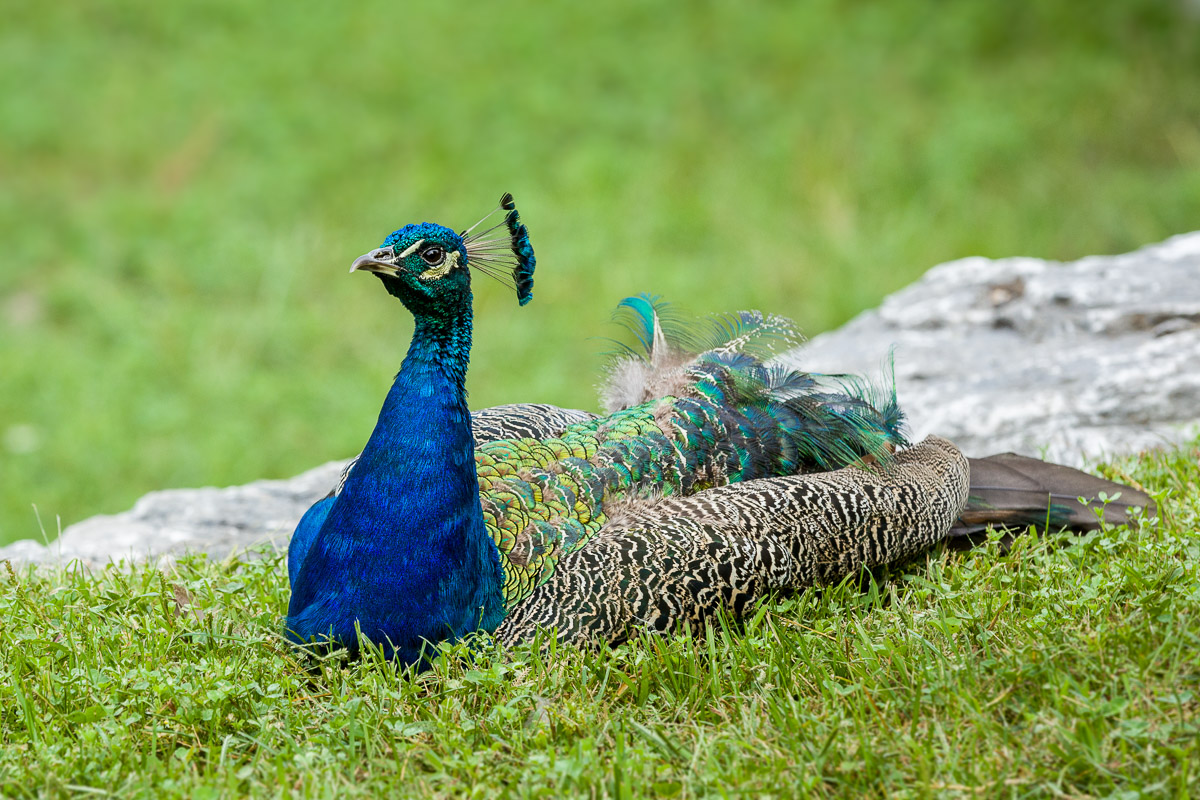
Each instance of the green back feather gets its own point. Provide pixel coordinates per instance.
(730, 418)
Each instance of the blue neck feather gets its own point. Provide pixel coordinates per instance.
(403, 551)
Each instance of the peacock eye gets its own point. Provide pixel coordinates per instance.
(433, 255)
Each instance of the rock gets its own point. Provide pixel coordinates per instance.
(176, 521)
(1073, 362)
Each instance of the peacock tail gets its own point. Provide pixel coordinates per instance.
(730, 418)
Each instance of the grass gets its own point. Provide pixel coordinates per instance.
(183, 187)
(1048, 671)
(185, 183)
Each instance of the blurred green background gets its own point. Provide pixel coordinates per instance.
(183, 186)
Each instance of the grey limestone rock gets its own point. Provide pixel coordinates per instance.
(1073, 362)
(172, 522)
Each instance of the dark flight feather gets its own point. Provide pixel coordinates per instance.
(1009, 491)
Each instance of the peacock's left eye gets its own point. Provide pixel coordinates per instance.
(433, 255)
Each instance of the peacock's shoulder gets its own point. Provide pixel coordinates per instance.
(543, 498)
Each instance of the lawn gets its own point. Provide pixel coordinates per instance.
(185, 184)
(1047, 671)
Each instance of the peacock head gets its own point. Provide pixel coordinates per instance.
(426, 265)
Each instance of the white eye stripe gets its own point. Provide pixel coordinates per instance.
(411, 249)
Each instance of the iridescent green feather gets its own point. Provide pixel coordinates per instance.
(731, 418)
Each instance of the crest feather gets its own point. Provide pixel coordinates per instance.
(507, 257)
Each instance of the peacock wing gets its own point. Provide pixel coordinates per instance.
(524, 421)
(679, 560)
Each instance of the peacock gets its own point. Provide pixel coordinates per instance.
(713, 478)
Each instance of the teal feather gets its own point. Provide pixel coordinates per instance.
(821, 422)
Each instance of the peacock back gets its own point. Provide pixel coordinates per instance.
(727, 416)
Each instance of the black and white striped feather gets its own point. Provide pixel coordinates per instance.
(678, 561)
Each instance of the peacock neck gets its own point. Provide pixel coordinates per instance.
(404, 547)
(440, 351)
(421, 455)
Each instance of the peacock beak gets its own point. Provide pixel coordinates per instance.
(381, 261)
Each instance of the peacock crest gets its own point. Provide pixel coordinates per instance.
(507, 256)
